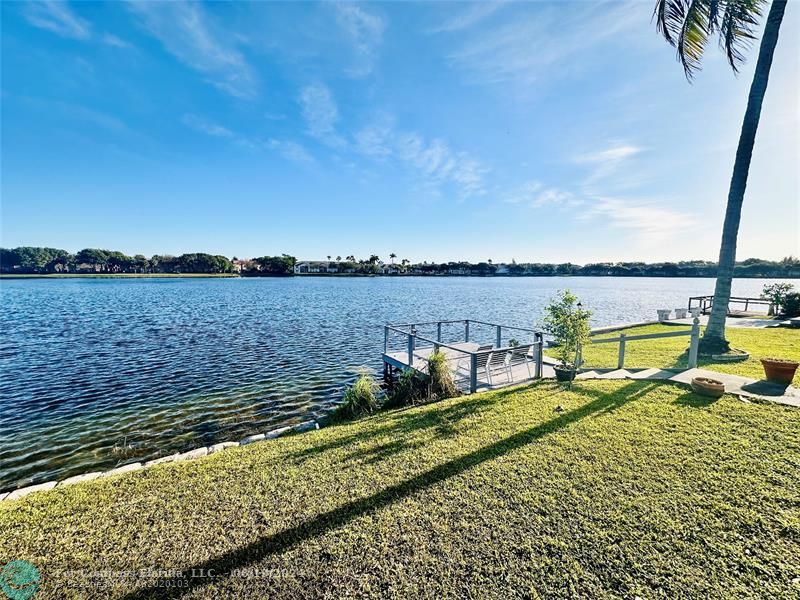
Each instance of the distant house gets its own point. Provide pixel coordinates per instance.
(315, 268)
(390, 269)
(501, 270)
(244, 265)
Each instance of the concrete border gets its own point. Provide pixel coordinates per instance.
(183, 456)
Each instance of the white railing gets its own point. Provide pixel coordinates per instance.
(623, 339)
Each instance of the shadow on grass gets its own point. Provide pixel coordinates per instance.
(695, 400)
(321, 524)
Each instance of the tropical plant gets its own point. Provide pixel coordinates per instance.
(440, 378)
(568, 323)
(359, 399)
(408, 390)
(687, 25)
(392, 256)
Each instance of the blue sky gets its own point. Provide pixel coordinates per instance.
(439, 131)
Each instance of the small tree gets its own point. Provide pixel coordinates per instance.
(568, 323)
(776, 293)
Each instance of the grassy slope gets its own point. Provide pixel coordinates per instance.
(780, 342)
(636, 488)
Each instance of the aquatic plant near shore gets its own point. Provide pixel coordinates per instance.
(359, 398)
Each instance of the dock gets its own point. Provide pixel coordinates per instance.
(480, 355)
(742, 306)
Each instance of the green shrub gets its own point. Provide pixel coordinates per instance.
(359, 399)
(440, 379)
(409, 389)
(791, 305)
(568, 323)
(777, 294)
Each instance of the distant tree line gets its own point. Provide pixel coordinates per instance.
(36, 260)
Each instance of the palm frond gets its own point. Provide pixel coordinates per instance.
(669, 16)
(694, 36)
(738, 27)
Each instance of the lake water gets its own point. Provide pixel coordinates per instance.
(99, 372)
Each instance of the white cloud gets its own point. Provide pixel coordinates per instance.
(365, 32)
(321, 114)
(523, 50)
(57, 17)
(204, 126)
(290, 150)
(477, 12)
(649, 223)
(535, 194)
(434, 160)
(112, 40)
(607, 162)
(186, 32)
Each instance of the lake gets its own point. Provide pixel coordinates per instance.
(99, 372)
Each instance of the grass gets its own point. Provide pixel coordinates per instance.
(781, 342)
(110, 275)
(615, 489)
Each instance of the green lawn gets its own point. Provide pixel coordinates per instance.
(616, 489)
(780, 342)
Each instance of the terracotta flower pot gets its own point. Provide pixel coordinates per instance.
(708, 387)
(779, 369)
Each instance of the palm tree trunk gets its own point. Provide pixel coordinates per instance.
(714, 336)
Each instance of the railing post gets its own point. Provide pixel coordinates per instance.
(621, 357)
(695, 343)
(386, 339)
(439, 331)
(539, 353)
(466, 330)
(411, 347)
(473, 373)
(499, 337)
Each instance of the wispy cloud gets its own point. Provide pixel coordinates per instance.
(364, 30)
(647, 222)
(321, 114)
(606, 162)
(204, 126)
(433, 159)
(536, 194)
(523, 50)
(288, 149)
(184, 29)
(474, 14)
(56, 16)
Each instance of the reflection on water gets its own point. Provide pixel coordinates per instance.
(97, 372)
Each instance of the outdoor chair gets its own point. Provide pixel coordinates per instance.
(497, 362)
(520, 355)
(484, 354)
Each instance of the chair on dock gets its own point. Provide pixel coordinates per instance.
(483, 353)
(520, 355)
(498, 362)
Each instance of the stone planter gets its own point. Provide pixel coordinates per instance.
(779, 370)
(695, 311)
(663, 314)
(708, 387)
(564, 374)
(680, 313)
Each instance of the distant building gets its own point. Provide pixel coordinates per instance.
(315, 268)
(501, 270)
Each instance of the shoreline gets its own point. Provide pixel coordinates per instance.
(354, 275)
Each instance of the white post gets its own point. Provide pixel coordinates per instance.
(621, 357)
(695, 343)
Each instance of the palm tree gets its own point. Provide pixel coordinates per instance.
(392, 256)
(687, 25)
(338, 259)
